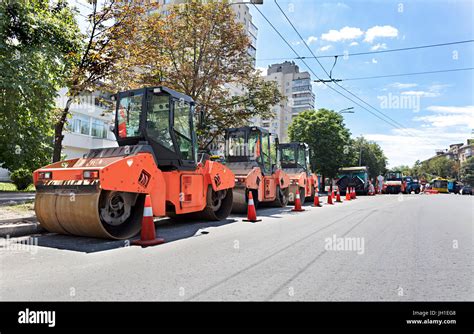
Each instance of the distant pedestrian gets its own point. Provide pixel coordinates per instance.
(380, 183)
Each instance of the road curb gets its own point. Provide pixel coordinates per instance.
(18, 228)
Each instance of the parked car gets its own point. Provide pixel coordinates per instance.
(466, 190)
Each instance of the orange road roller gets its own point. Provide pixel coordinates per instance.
(294, 158)
(102, 194)
(252, 154)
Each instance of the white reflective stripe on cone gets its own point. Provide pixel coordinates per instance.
(298, 196)
(147, 212)
(251, 201)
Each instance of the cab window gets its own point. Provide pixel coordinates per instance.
(301, 157)
(254, 146)
(182, 128)
(236, 144)
(129, 110)
(267, 162)
(288, 157)
(158, 120)
(308, 162)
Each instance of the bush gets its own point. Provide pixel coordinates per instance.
(22, 178)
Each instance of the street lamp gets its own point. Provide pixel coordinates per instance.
(346, 111)
(251, 2)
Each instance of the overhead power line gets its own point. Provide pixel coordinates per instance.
(394, 123)
(304, 62)
(409, 74)
(373, 52)
(391, 121)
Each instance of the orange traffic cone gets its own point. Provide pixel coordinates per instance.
(338, 196)
(251, 212)
(352, 193)
(348, 194)
(316, 200)
(330, 198)
(147, 234)
(297, 201)
(355, 194)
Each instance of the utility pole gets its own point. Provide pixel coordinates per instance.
(360, 155)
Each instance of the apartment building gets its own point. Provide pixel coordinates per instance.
(89, 125)
(296, 87)
(242, 15)
(457, 152)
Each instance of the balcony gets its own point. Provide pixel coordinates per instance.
(253, 30)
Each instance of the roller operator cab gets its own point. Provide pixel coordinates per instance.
(294, 159)
(102, 194)
(394, 183)
(252, 154)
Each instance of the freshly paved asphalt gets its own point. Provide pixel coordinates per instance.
(415, 247)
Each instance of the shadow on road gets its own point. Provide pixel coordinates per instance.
(169, 229)
(165, 228)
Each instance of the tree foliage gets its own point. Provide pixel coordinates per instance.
(197, 49)
(467, 171)
(327, 136)
(440, 166)
(110, 22)
(436, 167)
(370, 154)
(38, 43)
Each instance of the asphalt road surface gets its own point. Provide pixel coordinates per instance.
(387, 247)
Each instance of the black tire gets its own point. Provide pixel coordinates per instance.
(220, 210)
(254, 195)
(213, 211)
(282, 197)
(302, 195)
(313, 193)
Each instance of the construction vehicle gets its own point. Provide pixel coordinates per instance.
(252, 154)
(353, 177)
(294, 159)
(394, 183)
(102, 194)
(411, 185)
(454, 186)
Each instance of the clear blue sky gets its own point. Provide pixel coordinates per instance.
(437, 109)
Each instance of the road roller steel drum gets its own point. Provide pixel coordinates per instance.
(102, 194)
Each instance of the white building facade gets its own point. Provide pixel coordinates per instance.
(89, 125)
(296, 87)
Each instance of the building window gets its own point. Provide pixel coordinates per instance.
(82, 125)
(88, 126)
(98, 128)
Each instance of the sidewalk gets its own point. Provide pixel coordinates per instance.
(18, 220)
(13, 197)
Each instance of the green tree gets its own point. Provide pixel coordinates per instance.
(370, 154)
(467, 171)
(199, 49)
(416, 170)
(439, 166)
(38, 43)
(329, 139)
(110, 22)
(405, 169)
